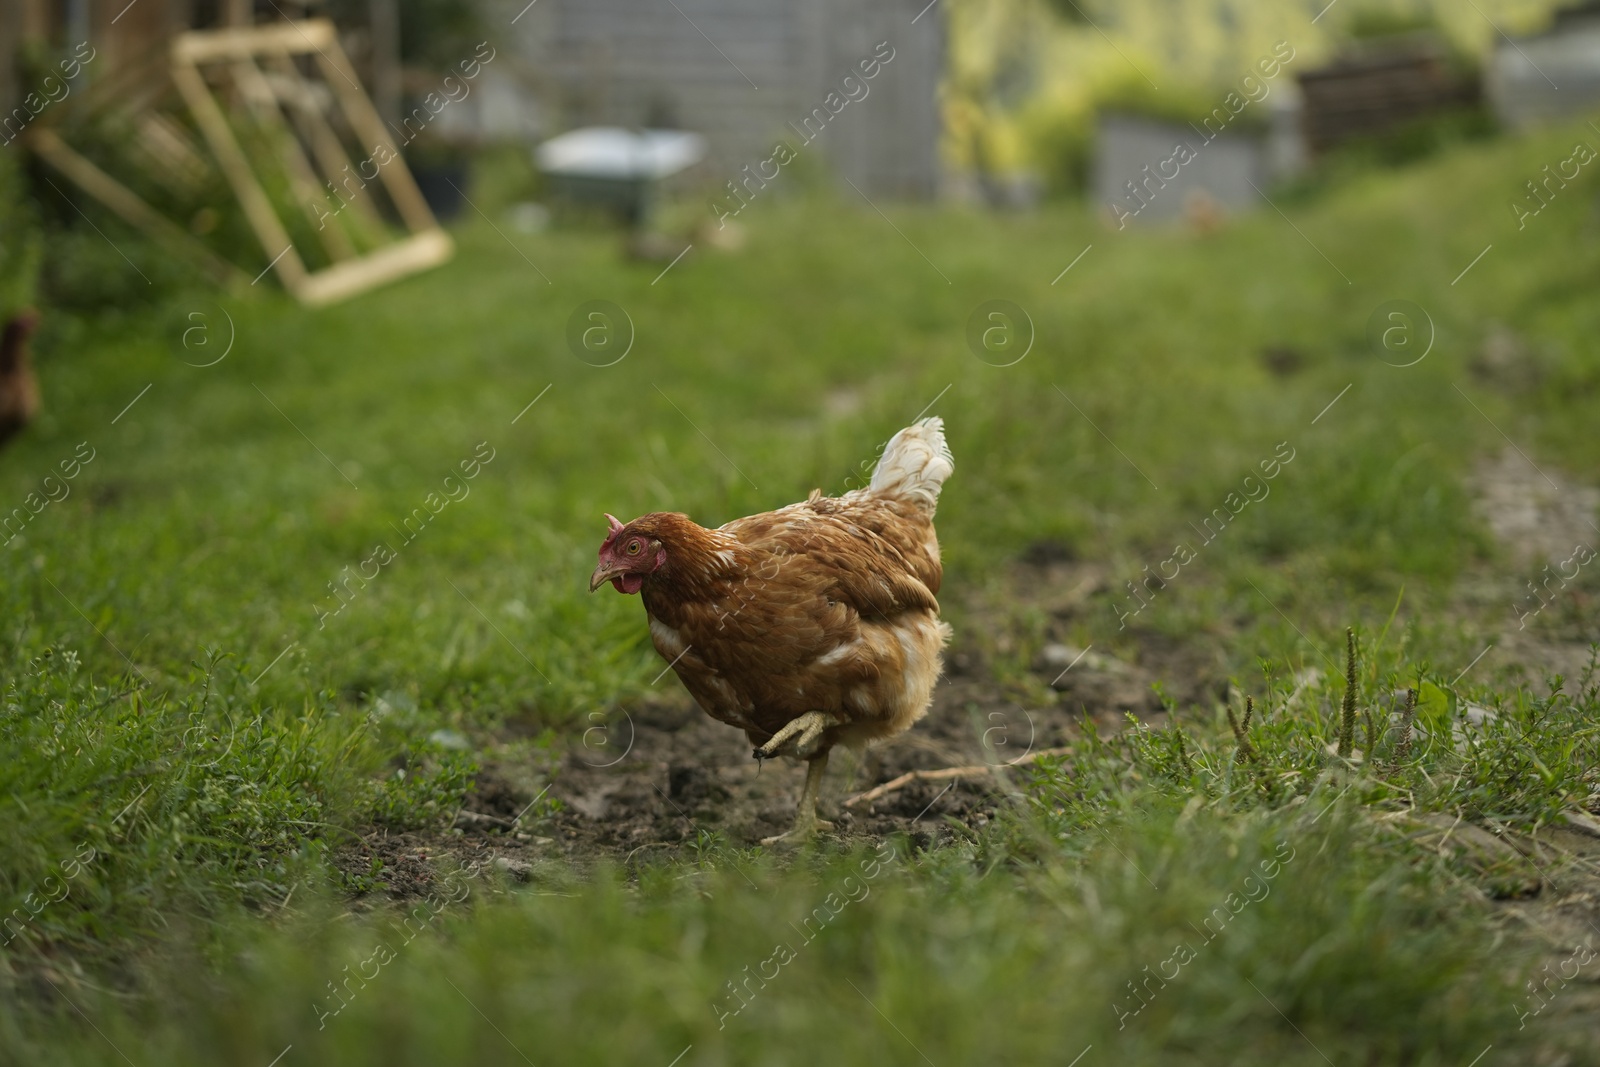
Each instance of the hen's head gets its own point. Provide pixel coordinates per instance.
(627, 555)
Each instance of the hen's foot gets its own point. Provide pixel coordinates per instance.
(805, 732)
(804, 830)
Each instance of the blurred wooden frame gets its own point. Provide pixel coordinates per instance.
(240, 49)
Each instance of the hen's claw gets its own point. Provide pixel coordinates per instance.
(803, 830)
(809, 727)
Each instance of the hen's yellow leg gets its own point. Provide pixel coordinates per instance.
(806, 822)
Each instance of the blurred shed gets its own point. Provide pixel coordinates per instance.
(745, 73)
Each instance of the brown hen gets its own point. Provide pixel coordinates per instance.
(806, 627)
(19, 389)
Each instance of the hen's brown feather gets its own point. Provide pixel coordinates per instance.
(826, 605)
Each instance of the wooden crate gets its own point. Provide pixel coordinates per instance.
(1377, 89)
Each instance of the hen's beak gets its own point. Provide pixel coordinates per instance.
(603, 574)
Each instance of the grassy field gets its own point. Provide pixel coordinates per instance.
(208, 697)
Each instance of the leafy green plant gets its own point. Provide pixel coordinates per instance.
(424, 790)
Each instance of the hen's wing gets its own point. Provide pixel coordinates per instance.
(903, 527)
(862, 552)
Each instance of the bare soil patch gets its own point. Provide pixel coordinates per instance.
(657, 777)
(1546, 601)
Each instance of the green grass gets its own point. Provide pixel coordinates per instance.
(1010, 966)
(173, 704)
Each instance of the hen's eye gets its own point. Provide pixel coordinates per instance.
(633, 548)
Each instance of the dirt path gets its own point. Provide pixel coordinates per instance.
(655, 777)
(1546, 598)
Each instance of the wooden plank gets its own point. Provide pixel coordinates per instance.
(417, 252)
(330, 152)
(297, 38)
(129, 206)
(302, 179)
(369, 127)
(257, 207)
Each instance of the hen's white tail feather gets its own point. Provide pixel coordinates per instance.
(915, 464)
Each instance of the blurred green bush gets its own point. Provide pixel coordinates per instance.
(21, 246)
